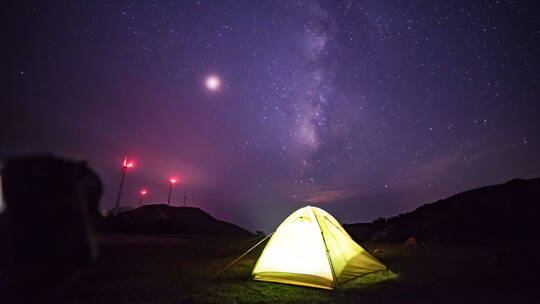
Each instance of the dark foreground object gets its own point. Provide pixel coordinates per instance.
(46, 229)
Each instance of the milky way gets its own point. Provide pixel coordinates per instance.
(365, 108)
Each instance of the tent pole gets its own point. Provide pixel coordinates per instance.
(336, 285)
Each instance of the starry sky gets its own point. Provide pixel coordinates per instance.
(364, 108)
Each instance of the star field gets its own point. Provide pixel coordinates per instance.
(367, 108)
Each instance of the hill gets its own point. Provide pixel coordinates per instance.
(119, 209)
(504, 213)
(160, 218)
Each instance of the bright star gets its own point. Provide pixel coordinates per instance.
(213, 83)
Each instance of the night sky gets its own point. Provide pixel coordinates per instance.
(364, 108)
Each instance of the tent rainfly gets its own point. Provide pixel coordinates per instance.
(310, 248)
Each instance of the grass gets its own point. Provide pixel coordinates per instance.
(147, 269)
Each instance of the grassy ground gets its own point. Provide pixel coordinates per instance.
(145, 269)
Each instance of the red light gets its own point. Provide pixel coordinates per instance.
(143, 192)
(127, 164)
(173, 180)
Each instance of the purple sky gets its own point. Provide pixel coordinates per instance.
(365, 108)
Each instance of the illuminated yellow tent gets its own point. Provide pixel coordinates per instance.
(310, 248)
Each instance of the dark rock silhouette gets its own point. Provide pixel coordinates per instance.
(161, 218)
(412, 242)
(502, 213)
(46, 228)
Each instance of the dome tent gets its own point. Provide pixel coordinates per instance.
(310, 248)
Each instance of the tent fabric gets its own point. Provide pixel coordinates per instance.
(310, 248)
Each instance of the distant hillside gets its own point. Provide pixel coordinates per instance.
(162, 218)
(508, 212)
(119, 209)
